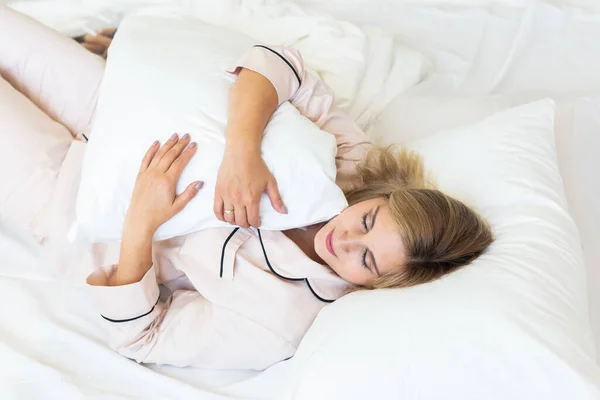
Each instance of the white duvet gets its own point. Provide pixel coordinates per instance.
(366, 67)
(51, 344)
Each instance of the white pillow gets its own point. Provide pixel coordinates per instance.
(416, 116)
(168, 75)
(514, 325)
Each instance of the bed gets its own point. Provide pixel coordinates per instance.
(481, 57)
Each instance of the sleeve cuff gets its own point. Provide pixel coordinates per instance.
(273, 66)
(123, 303)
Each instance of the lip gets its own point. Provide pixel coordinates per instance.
(329, 243)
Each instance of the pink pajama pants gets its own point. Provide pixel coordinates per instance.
(48, 93)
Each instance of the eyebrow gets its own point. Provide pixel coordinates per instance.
(373, 219)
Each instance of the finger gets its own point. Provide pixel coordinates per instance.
(175, 151)
(183, 160)
(253, 214)
(229, 216)
(241, 218)
(164, 149)
(273, 193)
(188, 194)
(149, 156)
(218, 206)
(108, 32)
(99, 40)
(94, 48)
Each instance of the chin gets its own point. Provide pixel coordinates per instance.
(334, 271)
(320, 248)
(318, 240)
(323, 254)
(327, 258)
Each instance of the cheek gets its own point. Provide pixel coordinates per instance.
(351, 273)
(319, 240)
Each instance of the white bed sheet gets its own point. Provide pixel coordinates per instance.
(53, 340)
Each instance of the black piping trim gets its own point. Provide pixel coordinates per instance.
(223, 250)
(269, 264)
(285, 277)
(315, 293)
(284, 59)
(118, 321)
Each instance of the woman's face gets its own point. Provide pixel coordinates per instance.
(362, 243)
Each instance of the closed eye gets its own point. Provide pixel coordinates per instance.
(365, 227)
(364, 259)
(364, 222)
(366, 252)
(365, 230)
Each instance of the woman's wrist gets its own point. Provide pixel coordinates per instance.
(240, 152)
(136, 256)
(243, 140)
(135, 234)
(138, 223)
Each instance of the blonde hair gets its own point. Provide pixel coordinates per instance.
(440, 234)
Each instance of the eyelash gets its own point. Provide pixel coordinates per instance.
(364, 254)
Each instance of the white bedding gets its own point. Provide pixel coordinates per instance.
(517, 52)
(504, 53)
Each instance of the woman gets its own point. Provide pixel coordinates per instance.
(240, 297)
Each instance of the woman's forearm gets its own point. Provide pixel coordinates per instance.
(252, 101)
(135, 258)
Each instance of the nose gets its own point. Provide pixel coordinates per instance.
(350, 242)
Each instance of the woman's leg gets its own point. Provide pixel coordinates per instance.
(52, 70)
(32, 149)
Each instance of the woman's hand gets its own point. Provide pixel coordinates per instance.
(154, 200)
(100, 42)
(243, 178)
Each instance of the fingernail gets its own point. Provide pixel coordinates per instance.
(284, 209)
(198, 186)
(186, 136)
(192, 145)
(174, 136)
(155, 143)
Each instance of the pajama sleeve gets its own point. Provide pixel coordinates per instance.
(185, 330)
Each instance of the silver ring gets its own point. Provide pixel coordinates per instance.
(228, 211)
